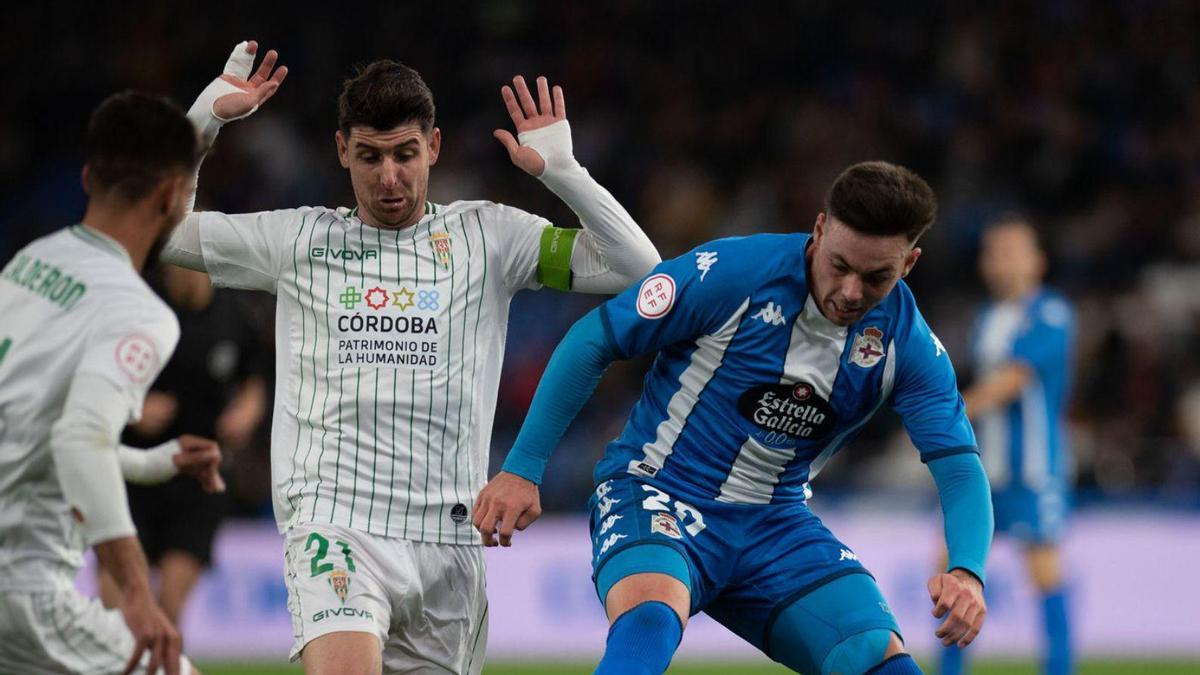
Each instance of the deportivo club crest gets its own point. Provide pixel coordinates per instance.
(868, 347)
(340, 580)
(440, 241)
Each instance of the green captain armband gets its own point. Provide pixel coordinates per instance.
(554, 258)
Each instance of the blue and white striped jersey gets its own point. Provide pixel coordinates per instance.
(753, 389)
(1023, 443)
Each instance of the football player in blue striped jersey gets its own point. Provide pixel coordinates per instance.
(773, 351)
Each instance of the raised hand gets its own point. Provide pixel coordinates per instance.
(528, 116)
(506, 503)
(200, 458)
(250, 91)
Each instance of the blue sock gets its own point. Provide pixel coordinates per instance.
(1058, 634)
(900, 664)
(953, 660)
(642, 641)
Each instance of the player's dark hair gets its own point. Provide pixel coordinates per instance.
(1016, 219)
(383, 96)
(882, 199)
(135, 140)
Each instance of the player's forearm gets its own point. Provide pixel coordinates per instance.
(83, 444)
(150, 466)
(966, 500)
(125, 562)
(997, 389)
(611, 234)
(570, 378)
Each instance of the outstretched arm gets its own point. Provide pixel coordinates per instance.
(510, 500)
(611, 252)
(966, 500)
(232, 96)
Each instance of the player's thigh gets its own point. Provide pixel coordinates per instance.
(844, 626)
(343, 653)
(64, 632)
(441, 627)
(648, 546)
(337, 581)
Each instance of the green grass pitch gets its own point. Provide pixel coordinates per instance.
(741, 668)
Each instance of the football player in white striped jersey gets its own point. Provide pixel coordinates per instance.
(391, 325)
(81, 340)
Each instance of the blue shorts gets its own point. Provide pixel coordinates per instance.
(743, 564)
(1033, 517)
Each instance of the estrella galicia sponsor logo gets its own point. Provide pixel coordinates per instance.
(793, 411)
(342, 611)
(342, 253)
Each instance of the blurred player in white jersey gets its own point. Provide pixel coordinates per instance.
(391, 324)
(1023, 347)
(82, 337)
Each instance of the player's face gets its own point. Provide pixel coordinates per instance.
(1010, 261)
(850, 272)
(389, 171)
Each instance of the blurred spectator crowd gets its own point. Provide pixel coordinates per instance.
(717, 119)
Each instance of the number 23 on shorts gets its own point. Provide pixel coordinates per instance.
(319, 567)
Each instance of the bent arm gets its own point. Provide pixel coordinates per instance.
(612, 251)
(966, 499)
(83, 444)
(997, 389)
(571, 377)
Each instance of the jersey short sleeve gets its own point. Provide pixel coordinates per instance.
(129, 345)
(245, 250)
(926, 395)
(682, 298)
(517, 236)
(1045, 340)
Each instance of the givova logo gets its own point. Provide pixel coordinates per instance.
(342, 253)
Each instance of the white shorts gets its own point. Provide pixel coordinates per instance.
(426, 602)
(64, 632)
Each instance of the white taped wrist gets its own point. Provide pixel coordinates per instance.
(150, 466)
(201, 113)
(553, 143)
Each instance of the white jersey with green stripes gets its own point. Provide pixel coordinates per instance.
(389, 348)
(71, 303)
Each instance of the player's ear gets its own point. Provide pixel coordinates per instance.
(85, 177)
(819, 229)
(435, 145)
(343, 148)
(910, 260)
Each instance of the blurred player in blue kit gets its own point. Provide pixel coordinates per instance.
(1022, 357)
(773, 351)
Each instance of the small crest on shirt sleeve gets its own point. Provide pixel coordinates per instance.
(137, 358)
(656, 297)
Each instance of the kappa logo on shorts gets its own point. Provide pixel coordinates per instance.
(665, 523)
(609, 522)
(606, 505)
(612, 539)
(339, 579)
(846, 554)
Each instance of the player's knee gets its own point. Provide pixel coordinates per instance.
(1044, 568)
(859, 653)
(648, 587)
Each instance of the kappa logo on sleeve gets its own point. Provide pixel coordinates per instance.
(137, 357)
(656, 297)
